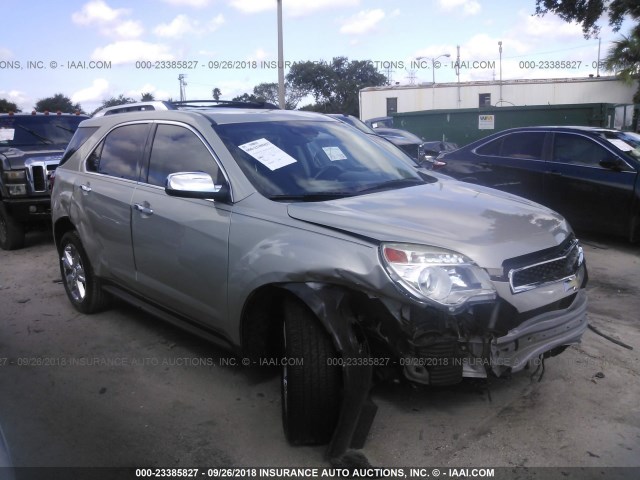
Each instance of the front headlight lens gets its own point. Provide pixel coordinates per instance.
(17, 189)
(428, 273)
(15, 176)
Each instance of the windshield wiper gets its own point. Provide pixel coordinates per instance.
(44, 140)
(312, 197)
(65, 128)
(399, 183)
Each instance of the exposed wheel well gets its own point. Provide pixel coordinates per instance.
(61, 227)
(261, 322)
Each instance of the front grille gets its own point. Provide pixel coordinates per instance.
(39, 173)
(547, 270)
(39, 179)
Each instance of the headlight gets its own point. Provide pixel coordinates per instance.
(15, 176)
(17, 188)
(442, 276)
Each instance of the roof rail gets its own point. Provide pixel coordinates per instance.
(135, 107)
(187, 104)
(223, 103)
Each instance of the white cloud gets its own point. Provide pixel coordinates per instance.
(548, 27)
(183, 25)
(97, 11)
(110, 21)
(293, 8)
(362, 22)
(94, 93)
(259, 54)
(5, 53)
(469, 7)
(128, 51)
(189, 3)
(19, 98)
(128, 29)
(178, 27)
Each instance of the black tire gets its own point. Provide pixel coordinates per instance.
(11, 232)
(312, 391)
(82, 286)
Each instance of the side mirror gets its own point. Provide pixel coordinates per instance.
(612, 163)
(196, 185)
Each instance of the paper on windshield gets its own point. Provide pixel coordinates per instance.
(268, 154)
(334, 153)
(621, 144)
(7, 134)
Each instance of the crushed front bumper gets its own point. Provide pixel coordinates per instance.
(532, 338)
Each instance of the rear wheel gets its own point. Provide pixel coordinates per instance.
(311, 383)
(82, 286)
(11, 232)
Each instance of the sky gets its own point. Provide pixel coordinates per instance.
(91, 50)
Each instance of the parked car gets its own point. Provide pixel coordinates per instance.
(588, 174)
(414, 146)
(31, 146)
(290, 235)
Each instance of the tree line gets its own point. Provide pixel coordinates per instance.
(335, 85)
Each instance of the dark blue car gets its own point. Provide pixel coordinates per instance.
(588, 174)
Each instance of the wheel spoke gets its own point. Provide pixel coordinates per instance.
(74, 274)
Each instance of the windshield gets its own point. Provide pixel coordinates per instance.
(23, 130)
(628, 142)
(309, 160)
(398, 134)
(354, 122)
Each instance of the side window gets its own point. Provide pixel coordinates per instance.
(526, 145)
(178, 149)
(78, 139)
(491, 148)
(579, 150)
(119, 153)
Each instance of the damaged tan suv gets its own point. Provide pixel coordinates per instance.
(286, 234)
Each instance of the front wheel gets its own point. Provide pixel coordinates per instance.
(82, 286)
(311, 381)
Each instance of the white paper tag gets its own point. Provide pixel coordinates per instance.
(334, 153)
(7, 134)
(268, 154)
(621, 144)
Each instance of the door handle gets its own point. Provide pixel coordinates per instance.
(85, 188)
(555, 172)
(143, 209)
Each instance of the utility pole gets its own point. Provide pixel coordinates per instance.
(281, 103)
(500, 50)
(183, 83)
(458, 75)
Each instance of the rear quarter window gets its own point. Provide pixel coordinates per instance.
(523, 145)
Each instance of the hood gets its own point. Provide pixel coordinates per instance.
(18, 157)
(484, 224)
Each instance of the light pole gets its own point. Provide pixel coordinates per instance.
(281, 102)
(433, 71)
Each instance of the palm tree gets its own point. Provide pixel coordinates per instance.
(624, 59)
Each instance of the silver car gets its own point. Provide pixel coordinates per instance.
(289, 235)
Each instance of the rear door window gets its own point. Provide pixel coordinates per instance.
(524, 145)
(119, 154)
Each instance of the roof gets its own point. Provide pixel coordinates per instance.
(218, 115)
